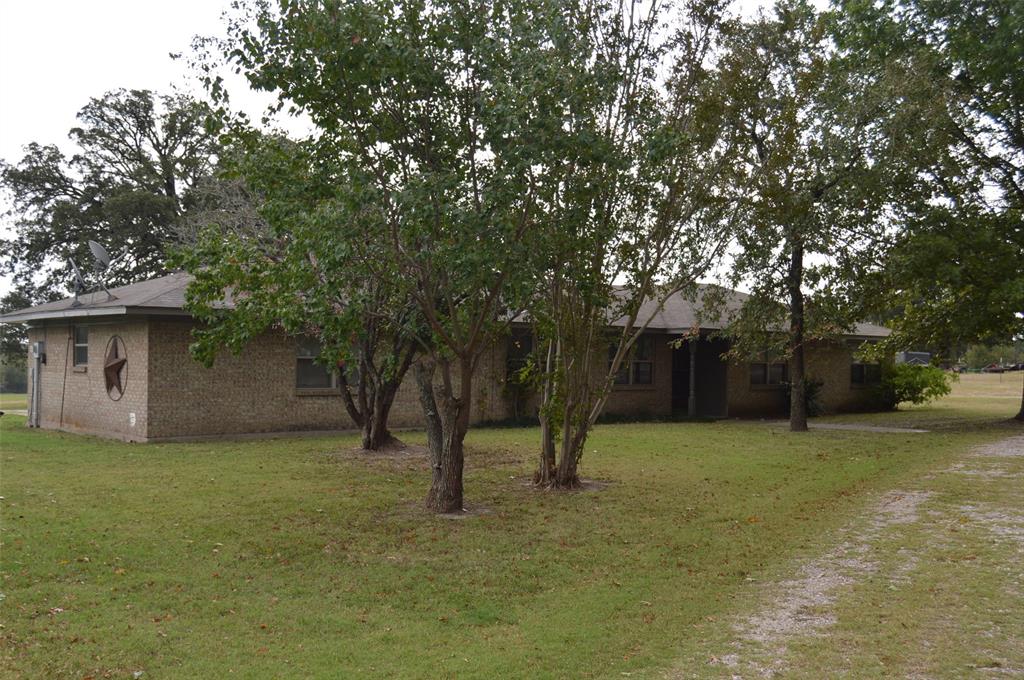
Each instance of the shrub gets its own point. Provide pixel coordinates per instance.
(812, 397)
(915, 384)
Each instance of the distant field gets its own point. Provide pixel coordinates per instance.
(989, 385)
(977, 399)
(13, 401)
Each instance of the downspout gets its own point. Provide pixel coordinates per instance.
(37, 362)
(64, 383)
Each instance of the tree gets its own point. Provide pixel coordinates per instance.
(635, 202)
(822, 168)
(278, 239)
(980, 356)
(14, 338)
(430, 116)
(138, 155)
(956, 273)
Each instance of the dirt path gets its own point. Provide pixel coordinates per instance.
(929, 583)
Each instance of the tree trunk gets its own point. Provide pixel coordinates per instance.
(425, 381)
(546, 470)
(376, 435)
(567, 476)
(371, 405)
(445, 493)
(797, 398)
(1020, 414)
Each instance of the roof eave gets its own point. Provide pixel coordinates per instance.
(84, 312)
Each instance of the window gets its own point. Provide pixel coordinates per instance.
(865, 374)
(520, 347)
(81, 357)
(308, 373)
(769, 373)
(639, 368)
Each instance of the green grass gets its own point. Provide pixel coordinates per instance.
(296, 558)
(945, 601)
(13, 401)
(977, 401)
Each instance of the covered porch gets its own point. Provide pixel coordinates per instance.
(699, 378)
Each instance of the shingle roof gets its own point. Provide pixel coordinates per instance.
(680, 314)
(162, 295)
(165, 295)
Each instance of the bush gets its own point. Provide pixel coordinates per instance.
(915, 384)
(812, 397)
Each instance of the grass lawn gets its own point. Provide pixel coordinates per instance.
(297, 558)
(13, 401)
(977, 400)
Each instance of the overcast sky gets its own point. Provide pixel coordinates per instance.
(55, 55)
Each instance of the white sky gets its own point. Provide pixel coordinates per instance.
(55, 55)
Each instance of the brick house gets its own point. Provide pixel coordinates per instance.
(120, 368)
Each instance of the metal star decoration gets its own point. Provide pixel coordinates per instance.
(113, 368)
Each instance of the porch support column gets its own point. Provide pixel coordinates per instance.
(691, 403)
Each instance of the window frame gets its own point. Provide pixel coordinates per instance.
(515, 361)
(76, 345)
(304, 353)
(641, 354)
(768, 384)
(871, 374)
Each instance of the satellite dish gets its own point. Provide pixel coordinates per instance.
(100, 254)
(79, 281)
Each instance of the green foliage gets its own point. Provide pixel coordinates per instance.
(13, 373)
(812, 397)
(279, 238)
(980, 356)
(823, 164)
(126, 186)
(634, 195)
(955, 276)
(907, 383)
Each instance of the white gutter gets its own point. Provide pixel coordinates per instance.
(91, 311)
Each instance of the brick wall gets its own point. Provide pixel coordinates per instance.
(654, 400)
(828, 362)
(255, 391)
(75, 398)
(750, 401)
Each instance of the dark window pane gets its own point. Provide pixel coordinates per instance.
(758, 374)
(81, 355)
(643, 349)
(643, 373)
(857, 374)
(622, 376)
(872, 374)
(307, 348)
(81, 335)
(777, 374)
(308, 373)
(520, 347)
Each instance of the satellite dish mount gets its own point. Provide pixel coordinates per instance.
(102, 263)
